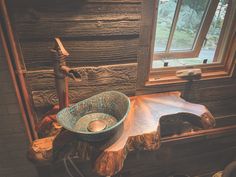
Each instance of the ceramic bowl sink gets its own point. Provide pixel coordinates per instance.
(96, 118)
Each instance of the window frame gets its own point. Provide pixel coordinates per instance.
(199, 38)
(166, 76)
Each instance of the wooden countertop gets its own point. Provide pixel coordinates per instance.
(141, 131)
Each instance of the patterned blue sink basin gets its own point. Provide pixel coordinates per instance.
(96, 118)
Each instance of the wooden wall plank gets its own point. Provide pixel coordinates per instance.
(24, 3)
(214, 93)
(117, 1)
(95, 80)
(96, 32)
(77, 29)
(86, 53)
(91, 76)
(222, 107)
(85, 11)
(37, 21)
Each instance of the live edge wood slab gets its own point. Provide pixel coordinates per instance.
(141, 131)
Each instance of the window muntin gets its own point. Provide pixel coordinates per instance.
(166, 14)
(188, 24)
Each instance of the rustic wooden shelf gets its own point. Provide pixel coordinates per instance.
(141, 131)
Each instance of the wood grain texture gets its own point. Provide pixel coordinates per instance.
(141, 131)
(82, 52)
(195, 155)
(219, 92)
(85, 19)
(100, 25)
(193, 158)
(142, 127)
(116, 26)
(94, 80)
(222, 108)
(95, 32)
(145, 41)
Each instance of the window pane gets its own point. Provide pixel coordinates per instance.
(188, 24)
(166, 10)
(209, 47)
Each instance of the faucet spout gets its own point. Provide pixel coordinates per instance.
(71, 73)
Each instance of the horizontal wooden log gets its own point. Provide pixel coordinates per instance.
(215, 93)
(75, 29)
(97, 32)
(116, 1)
(85, 12)
(25, 3)
(48, 98)
(222, 107)
(77, 18)
(82, 53)
(91, 76)
(94, 80)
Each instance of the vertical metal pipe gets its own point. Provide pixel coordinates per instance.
(60, 78)
(20, 76)
(18, 95)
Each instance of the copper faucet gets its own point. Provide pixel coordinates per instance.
(61, 72)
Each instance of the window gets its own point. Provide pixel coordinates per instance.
(189, 34)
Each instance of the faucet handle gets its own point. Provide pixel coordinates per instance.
(59, 47)
(76, 76)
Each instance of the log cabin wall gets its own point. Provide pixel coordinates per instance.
(13, 138)
(102, 38)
